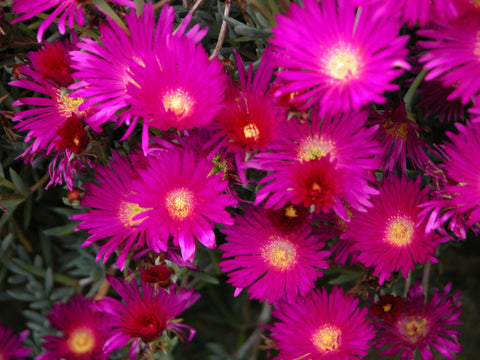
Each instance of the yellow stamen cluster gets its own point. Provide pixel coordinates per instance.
(280, 253)
(128, 211)
(180, 203)
(314, 148)
(178, 101)
(327, 338)
(399, 231)
(341, 62)
(251, 131)
(81, 341)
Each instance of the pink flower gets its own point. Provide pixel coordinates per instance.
(352, 61)
(183, 199)
(143, 315)
(81, 338)
(391, 235)
(11, 346)
(272, 263)
(423, 326)
(322, 326)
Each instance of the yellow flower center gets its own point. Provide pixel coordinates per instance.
(180, 203)
(399, 231)
(341, 62)
(314, 148)
(387, 308)
(178, 101)
(327, 338)
(251, 131)
(81, 341)
(414, 328)
(280, 253)
(397, 130)
(291, 211)
(128, 211)
(67, 106)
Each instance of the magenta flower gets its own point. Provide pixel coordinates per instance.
(351, 62)
(144, 316)
(251, 119)
(182, 88)
(343, 137)
(69, 11)
(270, 262)
(391, 235)
(322, 326)
(452, 57)
(423, 326)
(81, 338)
(11, 346)
(105, 68)
(412, 12)
(184, 200)
(399, 136)
(111, 219)
(458, 197)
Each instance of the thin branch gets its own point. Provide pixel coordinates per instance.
(195, 6)
(254, 338)
(159, 5)
(223, 31)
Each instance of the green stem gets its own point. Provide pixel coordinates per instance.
(113, 15)
(409, 96)
(139, 4)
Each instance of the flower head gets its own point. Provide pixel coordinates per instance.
(322, 326)
(105, 69)
(271, 262)
(399, 136)
(11, 346)
(391, 235)
(81, 338)
(351, 62)
(423, 326)
(111, 220)
(184, 199)
(143, 316)
(453, 56)
(342, 141)
(69, 11)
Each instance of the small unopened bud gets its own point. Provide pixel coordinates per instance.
(158, 275)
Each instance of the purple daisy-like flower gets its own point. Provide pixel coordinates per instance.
(457, 198)
(322, 326)
(391, 236)
(351, 62)
(111, 220)
(399, 136)
(49, 112)
(343, 139)
(453, 57)
(144, 316)
(178, 87)
(81, 338)
(272, 263)
(105, 69)
(423, 326)
(184, 199)
(11, 346)
(69, 11)
(412, 12)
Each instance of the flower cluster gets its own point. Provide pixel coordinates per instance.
(320, 157)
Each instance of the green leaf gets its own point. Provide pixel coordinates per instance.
(48, 280)
(21, 294)
(67, 229)
(19, 184)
